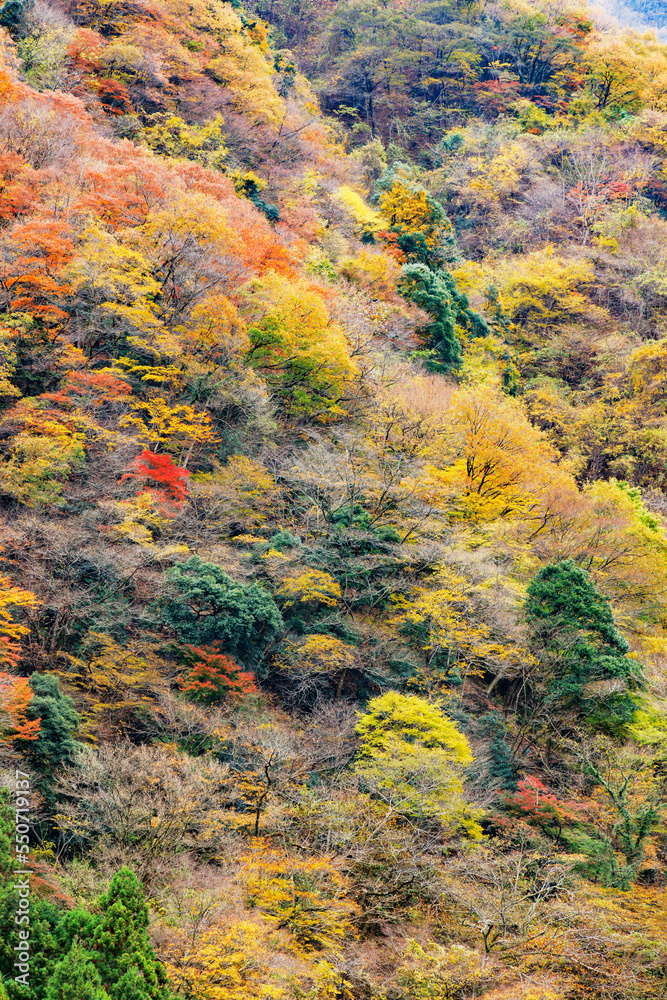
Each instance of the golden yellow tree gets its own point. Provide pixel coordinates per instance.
(296, 346)
(502, 466)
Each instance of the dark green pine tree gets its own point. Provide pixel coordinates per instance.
(44, 918)
(12, 14)
(7, 854)
(428, 290)
(75, 977)
(502, 769)
(574, 635)
(55, 744)
(132, 986)
(123, 953)
(436, 293)
(202, 605)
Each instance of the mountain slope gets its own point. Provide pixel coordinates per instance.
(333, 598)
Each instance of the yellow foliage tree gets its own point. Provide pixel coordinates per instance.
(296, 346)
(13, 599)
(244, 69)
(117, 284)
(450, 626)
(541, 290)
(159, 423)
(241, 490)
(437, 972)
(45, 450)
(626, 72)
(228, 963)
(174, 428)
(502, 465)
(501, 175)
(307, 896)
(625, 547)
(139, 518)
(410, 209)
(646, 375)
(111, 683)
(412, 756)
(373, 271)
(186, 243)
(311, 587)
(8, 360)
(204, 143)
(243, 960)
(215, 332)
(315, 658)
(368, 221)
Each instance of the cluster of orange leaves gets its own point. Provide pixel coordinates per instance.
(15, 698)
(215, 677)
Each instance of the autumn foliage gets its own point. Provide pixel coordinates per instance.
(214, 677)
(333, 477)
(15, 698)
(12, 599)
(536, 805)
(160, 469)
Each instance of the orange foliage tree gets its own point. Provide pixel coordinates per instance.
(33, 279)
(215, 677)
(11, 631)
(15, 698)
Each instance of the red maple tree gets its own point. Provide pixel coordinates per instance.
(160, 468)
(538, 806)
(215, 677)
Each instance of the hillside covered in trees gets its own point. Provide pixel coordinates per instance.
(333, 497)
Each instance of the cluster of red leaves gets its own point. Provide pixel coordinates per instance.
(538, 806)
(390, 241)
(113, 96)
(215, 677)
(618, 189)
(496, 96)
(607, 190)
(575, 25)
(160, 468)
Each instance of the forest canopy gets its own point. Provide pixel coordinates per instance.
(333, 473)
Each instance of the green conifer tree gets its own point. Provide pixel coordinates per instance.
(7, 855)
(574, 635)
(203, 605)
(132, 986)
(44, 918)
(436, 293)
(55, 744)
(76, 978)
(428, 290)
(123, 952)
